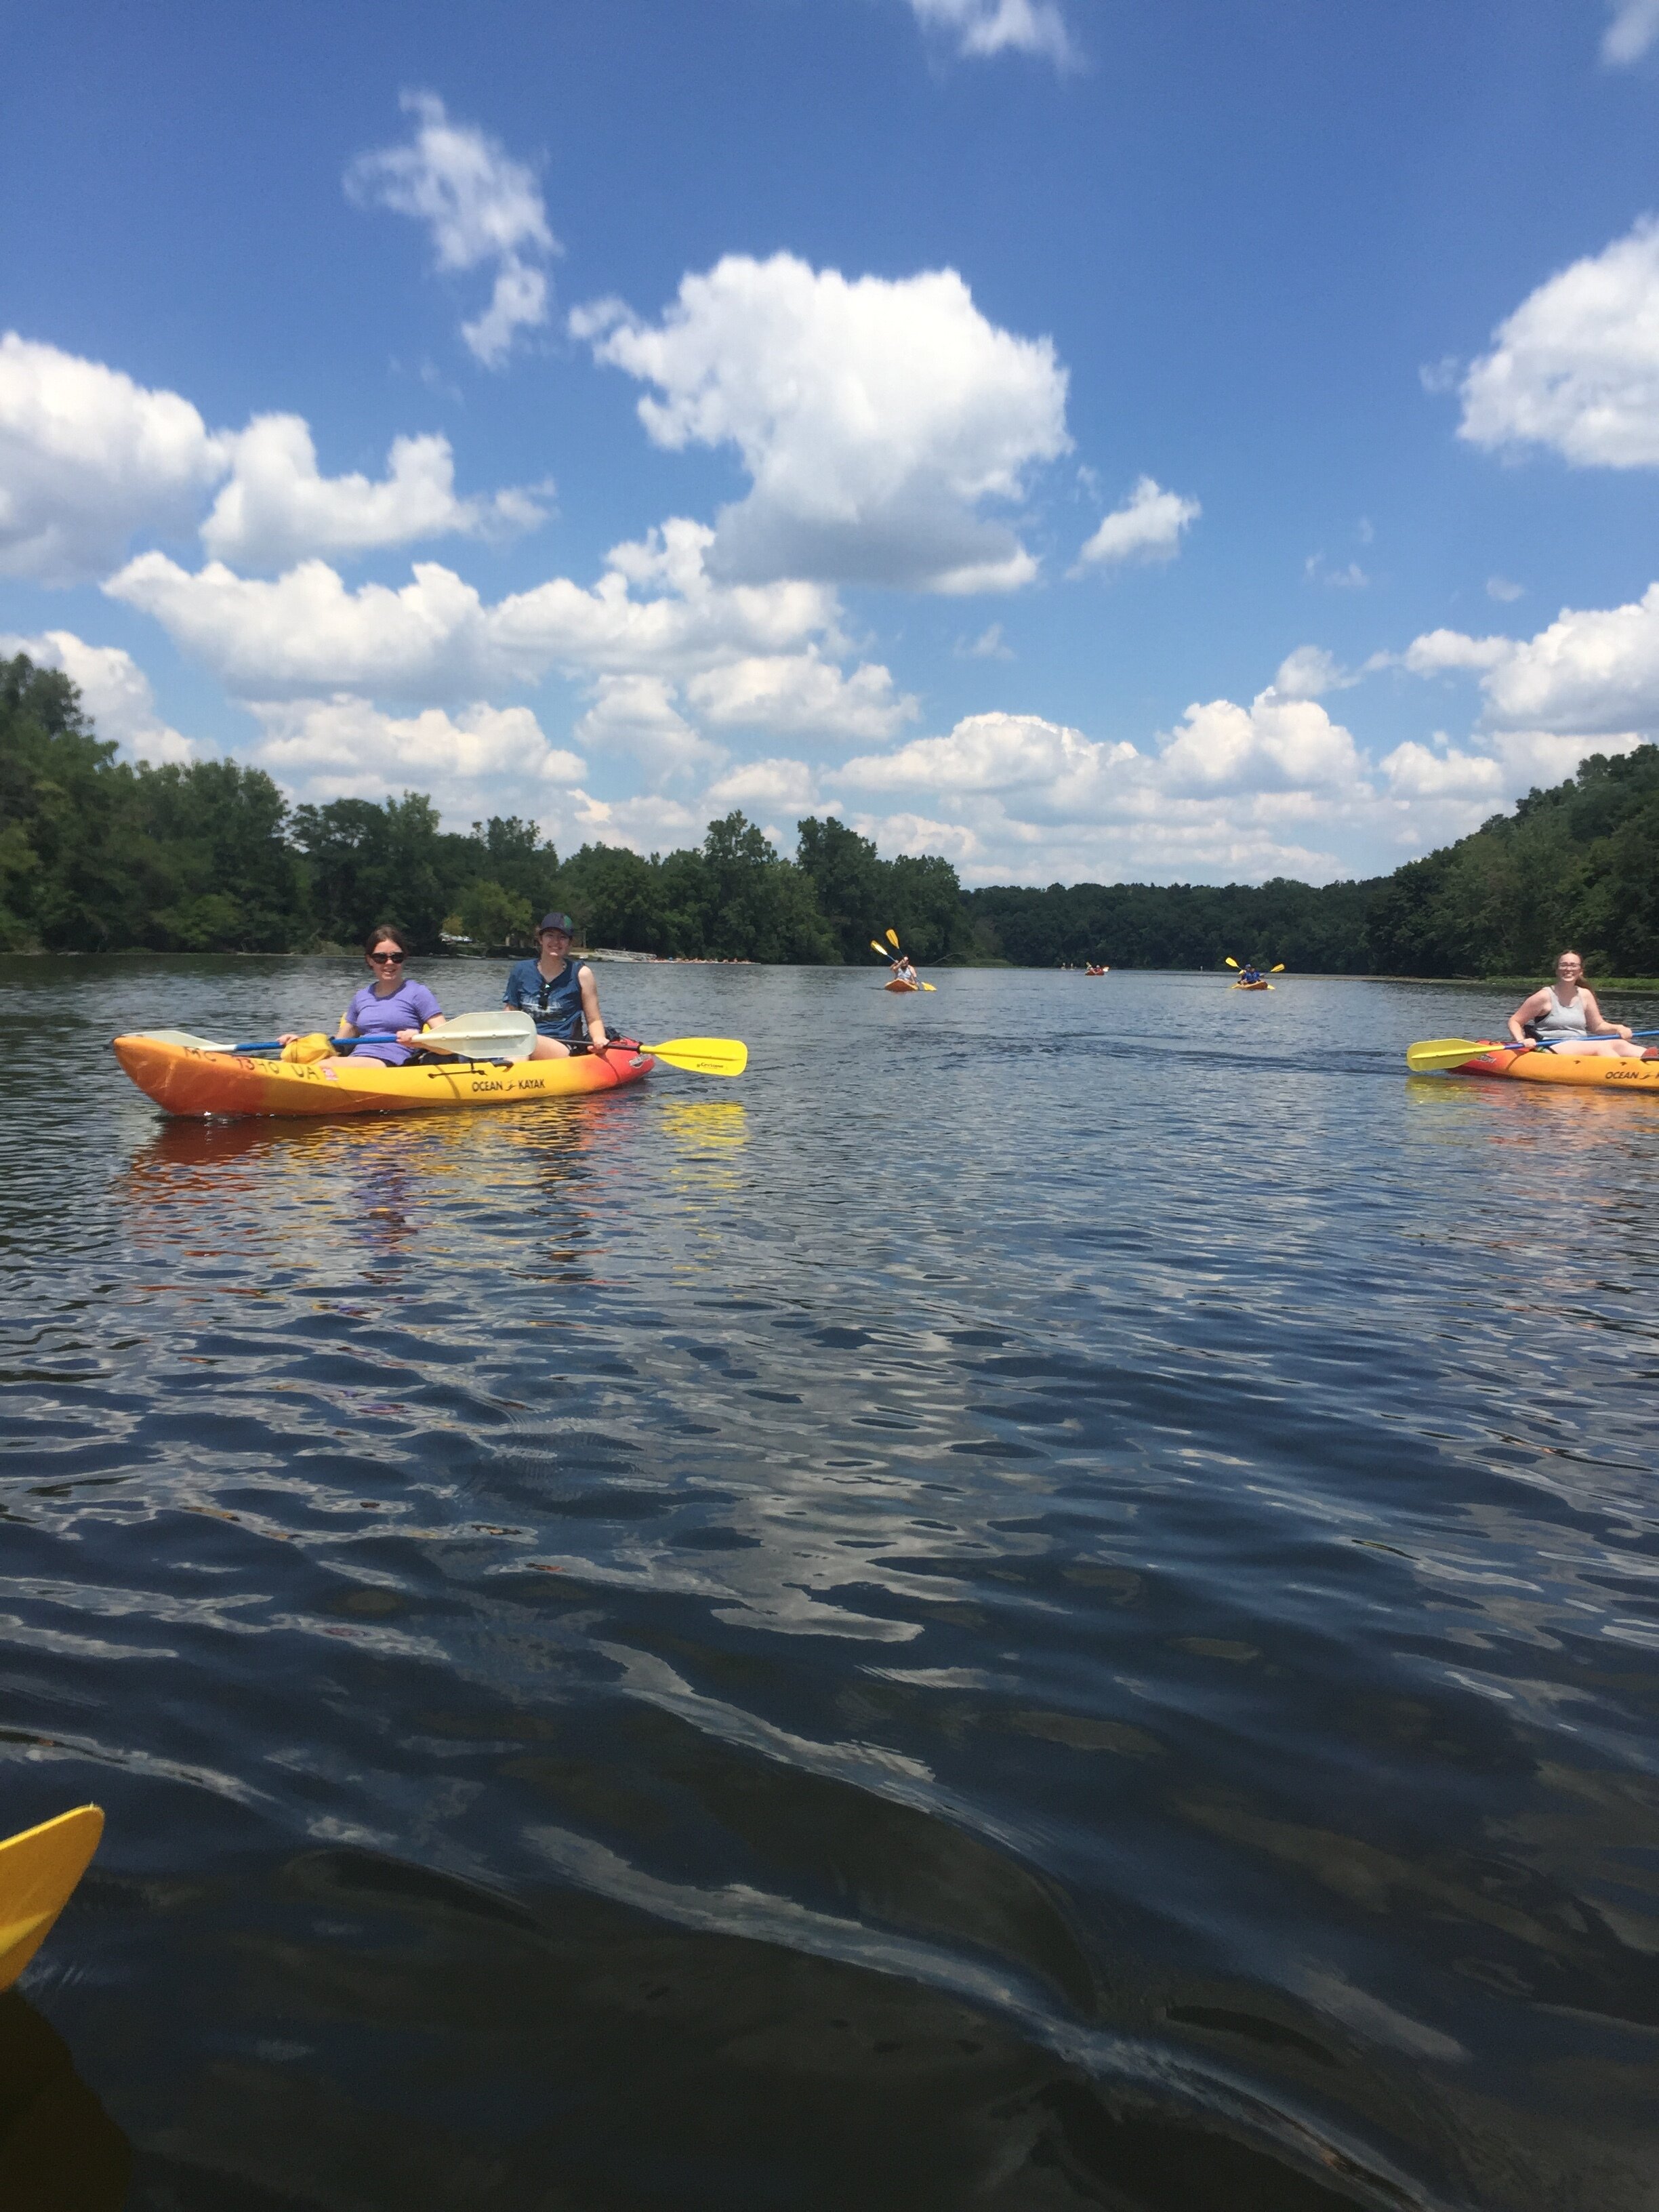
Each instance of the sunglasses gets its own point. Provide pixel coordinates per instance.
(392, 959)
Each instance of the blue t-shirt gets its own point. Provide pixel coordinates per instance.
(410, 1006)
(555, 1007)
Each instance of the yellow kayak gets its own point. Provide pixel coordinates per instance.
(186, 1080)
(38, 1871)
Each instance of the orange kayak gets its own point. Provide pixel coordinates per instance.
(184, 1080)
(897, 986)
(1597, 1070)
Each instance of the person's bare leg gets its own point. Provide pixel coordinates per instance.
(547, 1047)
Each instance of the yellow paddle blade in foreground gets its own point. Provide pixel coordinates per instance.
(38, 1871)
(703, 1056)
(1445, 1052)
(882, 949)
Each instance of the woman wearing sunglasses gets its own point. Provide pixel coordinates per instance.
(392, 1001)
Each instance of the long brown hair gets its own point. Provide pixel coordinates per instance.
(399, 937)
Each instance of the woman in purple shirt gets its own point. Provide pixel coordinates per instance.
(392, 1001)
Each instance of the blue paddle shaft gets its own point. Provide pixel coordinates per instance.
(275, 1044)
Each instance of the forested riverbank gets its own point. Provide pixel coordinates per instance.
(98, 855)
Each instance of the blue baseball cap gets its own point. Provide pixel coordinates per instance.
(556, 921)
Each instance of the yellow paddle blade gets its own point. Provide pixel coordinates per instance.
(1443, 1052)
(892, 939)
(37, 1870)
(1278, 968)
(882, 949)
(930, 987)
(1231, 963)
(703, 1056)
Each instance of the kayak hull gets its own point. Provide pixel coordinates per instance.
(1581, 1070)
(1252, 987)
(897, 986)
(194, 1083)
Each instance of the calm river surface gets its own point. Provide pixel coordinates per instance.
(1052, 1601)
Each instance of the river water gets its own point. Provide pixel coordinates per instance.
(1049, 1601)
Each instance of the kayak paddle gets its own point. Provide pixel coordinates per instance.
(1278, 968)
(39, 1868)
(703, 1056)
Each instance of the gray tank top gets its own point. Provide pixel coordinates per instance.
(1562, 1020)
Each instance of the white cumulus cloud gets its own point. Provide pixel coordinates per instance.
(1439, 650)
(1591, 673)
(1147, 527)
(345, 748)
(655, 610)
(1575, 368)
(86, 458)
(876, 418)
(779, 783)
(114, 691)
(636, 717)
(277, 507)
(981, 28)
(1634, 28)
(794, 694)
(480, 206)
(1309, 672)
(1416, 771)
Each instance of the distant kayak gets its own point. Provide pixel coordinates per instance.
(1595, 1069)
(1263, 985)
(184, 1080)
(897, 986)
(1096, 971)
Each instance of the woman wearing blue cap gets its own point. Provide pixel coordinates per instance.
(557, 992)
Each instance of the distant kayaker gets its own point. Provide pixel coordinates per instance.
(557, 992)
(903, 970)
(1251, 975)
(1564, 1016)
(392, 1001)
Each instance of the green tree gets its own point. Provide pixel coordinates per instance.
(759, 907)
(491, 915)
(370, 864)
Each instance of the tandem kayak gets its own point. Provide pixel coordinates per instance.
(1252, 987)
(1595, 1069)
(185, 1080)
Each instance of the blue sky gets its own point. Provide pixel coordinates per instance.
(1093, 438)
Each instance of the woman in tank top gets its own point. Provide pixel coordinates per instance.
(1564, 1016)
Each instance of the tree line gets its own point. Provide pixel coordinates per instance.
(98, 855)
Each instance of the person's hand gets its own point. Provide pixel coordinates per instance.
(1624, 1032)
(289, 1036)
(408, 1038)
